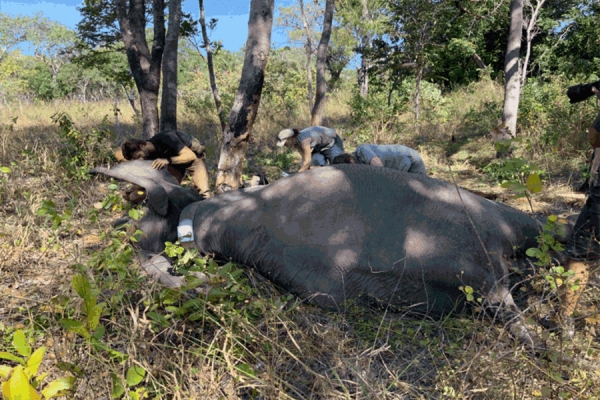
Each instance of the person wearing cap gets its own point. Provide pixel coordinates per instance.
(316, 144)
(393, 156)
(175, 149)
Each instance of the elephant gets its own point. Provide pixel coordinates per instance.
(352, 232)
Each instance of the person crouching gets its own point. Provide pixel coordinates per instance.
(393, 156)
(316, 144)
(176, 149)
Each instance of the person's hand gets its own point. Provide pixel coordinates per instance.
(160, 163)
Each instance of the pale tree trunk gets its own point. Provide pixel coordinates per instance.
(145, 65)
(532, 31)
(479, 61)
(512, 88)
(130, 94)
(418, 78)
(308, 47)
(317, 110)
(246, 102)
(168, 104)
(116, 112)
(363, 71)
(211, 68)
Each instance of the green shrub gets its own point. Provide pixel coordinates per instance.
(82, 150)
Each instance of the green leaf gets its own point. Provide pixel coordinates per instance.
(113, 186)
(69, 367)
(135, 375)
(192, 282)
(84, 290)
(503, 146)
(5, 371)
(99, 331)
(160, 319)
(39, 379)
(33, 363)
(20, 343)
(134, 395)
(246, 370)
(76, 327)
(58, 386)
(552, 218)
(11, 357)
(514, 186)
(468, 290)
(558, 270)
(134, 214)
(533, 252)
(20, 387)
(94, 317)
(5, 170)
(118, 389)
(534, 183)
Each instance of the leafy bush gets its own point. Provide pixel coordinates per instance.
(83, 149)
(284, 88)
(511, 169)
(23, 380)
(282, 160)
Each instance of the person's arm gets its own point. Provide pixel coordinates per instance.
(119, 155)
(183, 157)
(376, 161)
(306, 152)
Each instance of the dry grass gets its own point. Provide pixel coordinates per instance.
(285, 349)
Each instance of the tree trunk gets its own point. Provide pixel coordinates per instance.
(308, 48)
(512, 88)
(418, 96)
(116, 112)
(247, 99)
(479, 61)
(168, 105)
(363, 71)
(211, 68)
(131, 98)
(317, 110)
(145, 65)
(532, 31)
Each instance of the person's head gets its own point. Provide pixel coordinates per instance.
(134, 149)
(344, 159)
(286, 136)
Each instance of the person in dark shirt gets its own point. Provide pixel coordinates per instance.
(393, 156)
(316, 144)
(176, 149)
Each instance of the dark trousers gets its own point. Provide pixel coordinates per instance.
(583, 243)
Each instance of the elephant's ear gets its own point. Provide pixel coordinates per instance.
(141, 173)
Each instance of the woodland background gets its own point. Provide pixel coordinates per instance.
(427, 74)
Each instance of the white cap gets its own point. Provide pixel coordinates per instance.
(283, 136)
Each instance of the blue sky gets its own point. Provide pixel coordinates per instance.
(232, 27)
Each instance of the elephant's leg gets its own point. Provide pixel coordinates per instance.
(500, 304)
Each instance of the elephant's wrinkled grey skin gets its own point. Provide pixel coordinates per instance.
(350, 231)
(337, 232)
(166, 200)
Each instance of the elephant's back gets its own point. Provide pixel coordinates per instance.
(359, 205)
(353, 229)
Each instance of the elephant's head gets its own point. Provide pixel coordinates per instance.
(166, 200)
